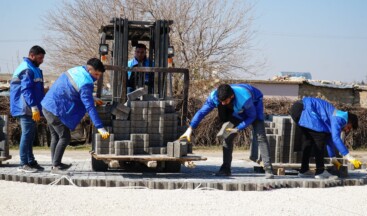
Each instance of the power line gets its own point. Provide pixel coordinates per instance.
(314, 36)
(19, 40)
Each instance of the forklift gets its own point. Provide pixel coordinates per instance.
(121, 34)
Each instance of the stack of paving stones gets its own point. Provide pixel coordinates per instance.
(283, 140)
(141, 126)
(4, 145)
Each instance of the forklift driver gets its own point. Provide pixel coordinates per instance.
(140, 60)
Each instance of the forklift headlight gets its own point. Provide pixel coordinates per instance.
(103, 49)
(171, 51)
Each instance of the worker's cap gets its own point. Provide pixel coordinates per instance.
(96, 64)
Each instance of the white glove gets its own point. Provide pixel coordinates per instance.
(103, 133)
(187, 134)
(353, 161)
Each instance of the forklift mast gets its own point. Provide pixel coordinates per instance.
(121, 31)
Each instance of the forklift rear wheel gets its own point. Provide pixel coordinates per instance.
(99, 165)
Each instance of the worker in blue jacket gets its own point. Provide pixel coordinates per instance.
(26, 93)
(321, 124)
(140, 60)
(66, 103)
(242, 105)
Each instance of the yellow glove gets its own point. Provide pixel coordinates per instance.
(187, 134)
(336, 163)
(98, 101)
(104, 133)
(36, 115)
(356, 163)
(232, 130)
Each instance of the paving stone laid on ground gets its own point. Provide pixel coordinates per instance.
(243, 178)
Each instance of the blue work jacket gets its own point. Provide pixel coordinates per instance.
(71, 96)
(26, 89)
(321, 116)
(247, 105)
(133, 62)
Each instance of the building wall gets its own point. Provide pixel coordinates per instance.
(289, 91)
(362, 95)
(343, 95)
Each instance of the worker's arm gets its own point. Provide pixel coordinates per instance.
(86, 95)
(250, 112)
(27, 85)
(337, 124)
(204, 110)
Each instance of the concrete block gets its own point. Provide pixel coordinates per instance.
(137, 144)
(121, 130)
(122, 136)
(103, 109)
(170, 149)
(157, 104)
(103, 150)
(123, 108)
(156, 137)
(123, 151)
(154, 117)
(155, 110)
(154, 123)
(136, 94)
(180, 148)
(150, 97)
(139, 111)
(171, 117)
(222, 132)
(154, 150)
(169, 109)
(120, 123)
(119, 114)
(121, 144)
(139, 124)
(155, 130)
(163, 150)
(136, 130)
(138, 117)
(138, 104)
(141, 150)
(156, 143)
(139, 137)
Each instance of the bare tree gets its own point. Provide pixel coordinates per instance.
(211, 37)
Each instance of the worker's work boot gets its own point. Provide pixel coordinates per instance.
(325, 175)
(307, 174)
(224, 171)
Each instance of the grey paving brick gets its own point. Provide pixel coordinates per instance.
(156, 104)
(138, 117)
(138, 105)
(122, 136)
(139, 124)
(136, 94)
(136, 130)
(120, 123)
(103, 150)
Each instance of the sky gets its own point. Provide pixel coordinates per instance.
(327, 38)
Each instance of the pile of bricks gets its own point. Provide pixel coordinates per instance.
(284, 140)
(139, 126)
(4, 146)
